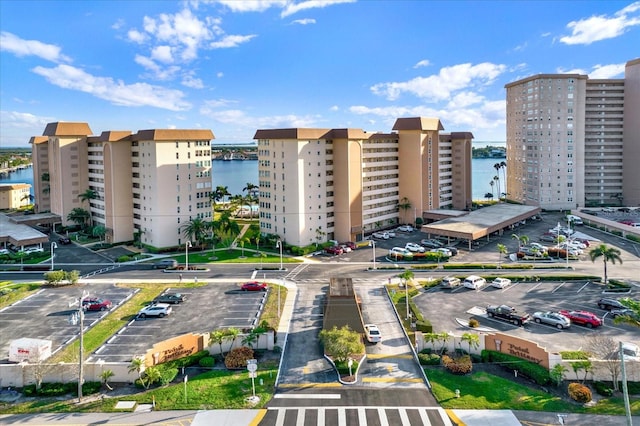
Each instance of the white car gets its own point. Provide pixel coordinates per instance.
(539, 246)
(474, 282)
(443, 251)
(416, 248)
(630, 351)
(399, 251)
(29, 250)
(157, 310)
(381, 235)
(391, 234)
(372, 333)
(501, 282)
(345, 248)
(4, 251)
(406, 228)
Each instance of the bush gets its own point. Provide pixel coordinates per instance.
(603, 389)
(429, 359)
(238, 357)
(167, 374)
(461, 365)
(536, 372)
(59, 389)
(207, 362)
(473, 323)
(579, 392)
(189, 360)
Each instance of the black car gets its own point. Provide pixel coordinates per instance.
(609, 304)
(64, 240)
(173, 298)
(453, 250)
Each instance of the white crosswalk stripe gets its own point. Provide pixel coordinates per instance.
(382, 414)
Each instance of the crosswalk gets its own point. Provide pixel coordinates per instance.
(361, 416)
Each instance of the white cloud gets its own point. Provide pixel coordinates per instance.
(304, 21)
(157, 72)
(116, 92)
(571, 71)
(11, 43)
(250, 123)
(602, 27)
(15, 125)
(334, 108)
(422, 63)
(220, 74)
(252, 5)
(137, 36)
(440, 86)
(608, 71)
(162, 54)
(293, 7)
(230, 41)
(192, 82)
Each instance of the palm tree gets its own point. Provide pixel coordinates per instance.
(489, 195)
(502, 250)
(405, 205)
(497, 181)
(242, 242)
(492, 183)
(522, 240)
(217, 336)
(220, 193)
(137, 365)
(105, 376)
(471, 339)
(79, 216)
(608, 254)
(88, 195)
(497, 166)
(196, 230)
(232, 334)
(503, 166)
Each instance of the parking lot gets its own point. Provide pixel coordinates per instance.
(204, 310)
(446, 309)
(47, 314)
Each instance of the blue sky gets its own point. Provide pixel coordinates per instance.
(237, 66)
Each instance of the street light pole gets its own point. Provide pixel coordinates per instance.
(186, 255)
(373, 247)
(279, 245)
(53, 246)
(81, 360)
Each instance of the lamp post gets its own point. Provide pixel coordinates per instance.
(186, 255)
(373, 247)
(569, 228)
(81, 360)
(279, 245)
(53, 246)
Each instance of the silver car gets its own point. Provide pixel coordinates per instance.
(555, 319)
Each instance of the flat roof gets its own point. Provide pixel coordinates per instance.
(19, 234)
(481, 222)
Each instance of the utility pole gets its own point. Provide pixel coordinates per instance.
(625, 390)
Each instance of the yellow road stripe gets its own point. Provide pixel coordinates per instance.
(390, 380)
(455, 419)
(400, 356)
(258, 418)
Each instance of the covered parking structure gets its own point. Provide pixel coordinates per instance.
(18, 231)
(481, 222)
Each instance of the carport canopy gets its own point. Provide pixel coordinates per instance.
(481, 222)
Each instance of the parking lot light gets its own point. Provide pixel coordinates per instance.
(186, 255)
(279, 245)
(372, 243)
(53, 246)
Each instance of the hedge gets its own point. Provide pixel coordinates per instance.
(536, 372)
(59, 389)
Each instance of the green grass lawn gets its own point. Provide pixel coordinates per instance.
(11, 293)
(481, 390)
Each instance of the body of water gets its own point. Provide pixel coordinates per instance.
(236, 174)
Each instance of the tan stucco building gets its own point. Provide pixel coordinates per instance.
(14, 195)
(320, 184)
(573, 141)
(148, 183)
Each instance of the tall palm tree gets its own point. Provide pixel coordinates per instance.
(492, 183)
(196, 230)
(497, 181)
(473, 340)
(405, 205)
(503, 166)
(78, 216)
(522, 240)
(608, 254)
(488, 196)
(502, 250)
(88, 195)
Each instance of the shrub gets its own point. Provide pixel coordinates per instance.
(238, 357)
(207, 362)
(473, 323)
(429, 359)
(579, 392)
(536, 372)
(59, 389)
(192, 359)
(603, 389)
(574, 355)
(461, 365)
(167, 374)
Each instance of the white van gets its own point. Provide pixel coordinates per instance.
(576, 220)
(474, 282)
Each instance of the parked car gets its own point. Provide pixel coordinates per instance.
(4, 251)
(380, 235)
(609, 304)
(165, 264)
(507, 313)
(624, 210)
(591, 212)
(555, 319)
(453, 250)
(345, 248)
(31, 250)
(334, 250)
(630, 313)
(450, 282)
(416, 248)
(171, 298)
(399, 251)
(159, 310)
(391, 234)
(585, 318)
(372, 333)
(349, 244)
(95, 304)
(253, 286)
(431, 243)
(406, 228)
(474, 282)
(442, 250)
(549, 237)
(501, 282)
(64, 240)
(630, 351)
(608, 210)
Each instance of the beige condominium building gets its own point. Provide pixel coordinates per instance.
(14, 195)
(323, 184)
(146, 185)
(573, 141)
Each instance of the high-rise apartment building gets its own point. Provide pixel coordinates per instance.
(144, 185)
(571, 140)
(319, 184)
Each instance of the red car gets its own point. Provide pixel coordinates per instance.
(254, 286)
(95, 304)
(334, 250)
(588, 319)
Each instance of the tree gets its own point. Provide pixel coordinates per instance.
(220, 193)
(502, 250)
(497, 166)
(217, 336)
(242, 242)
(88, 195)
(137, 365)
(503, 166)
(488, 196)
(557, 373)
(99, 231)
(72, 276)
(196, 230)
(151, 375)
(105, 376)
(608, 254)
(497, 180)
(404, 204)
(444, 337)
(473, 340)
(320, 234)
(604, 348)
(79, 216)
(492, 183)
(251, 338)
(341, 343)
(232, 334)
(522, 240)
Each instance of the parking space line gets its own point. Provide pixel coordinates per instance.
(558, 287)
